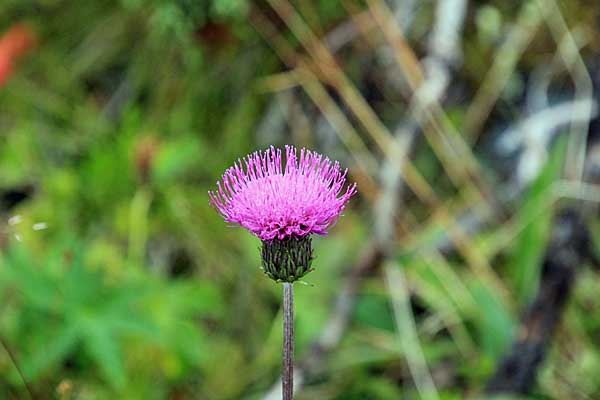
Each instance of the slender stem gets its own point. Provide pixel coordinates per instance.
(287, 377)
(13, 359)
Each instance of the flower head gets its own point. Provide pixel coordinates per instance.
(274, 201)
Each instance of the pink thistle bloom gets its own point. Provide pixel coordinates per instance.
(276, 202)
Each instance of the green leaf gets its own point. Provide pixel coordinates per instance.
(175, 158)
(495, 324)
(374, 310)
(56, 347)
(104, 349)
(531, 242)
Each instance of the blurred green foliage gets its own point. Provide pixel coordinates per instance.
(116, 125)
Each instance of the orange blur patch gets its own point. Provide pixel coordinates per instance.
(14, 43)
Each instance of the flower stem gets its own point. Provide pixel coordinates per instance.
(287, 377)
(13, 359)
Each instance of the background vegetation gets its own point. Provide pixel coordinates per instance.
(465, 124)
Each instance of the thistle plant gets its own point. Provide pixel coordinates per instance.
(283, 205)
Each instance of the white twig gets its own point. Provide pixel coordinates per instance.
(445, 40)
(534, 134)
(576, 151)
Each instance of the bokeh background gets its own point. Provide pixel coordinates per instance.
(468, 126)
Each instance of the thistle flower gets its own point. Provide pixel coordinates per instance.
(277, 202)
(284, 206)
